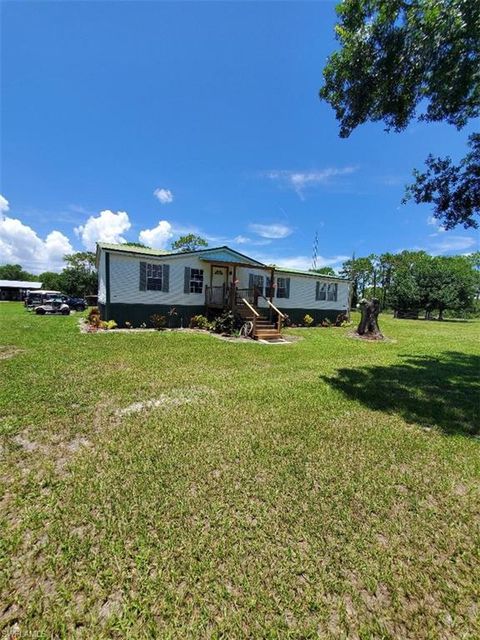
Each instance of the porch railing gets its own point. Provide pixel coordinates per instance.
(217, 296)
(280, 316)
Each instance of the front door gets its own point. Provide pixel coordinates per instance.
(219, 284)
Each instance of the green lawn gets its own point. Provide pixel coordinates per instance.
(323, 489)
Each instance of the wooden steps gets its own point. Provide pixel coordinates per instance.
(264, 329)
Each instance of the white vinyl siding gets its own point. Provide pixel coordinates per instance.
(125, 274)
(303, 293)
(102, 289)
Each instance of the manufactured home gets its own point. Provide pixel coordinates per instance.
(135, 283)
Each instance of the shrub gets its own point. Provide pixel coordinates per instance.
(93, 318)
(341, 320)
(326, 323)
(158, 322)
(307, 320)
(172, 313)
(225, 323)
(128, 325)
(199, 322)
(110, 324)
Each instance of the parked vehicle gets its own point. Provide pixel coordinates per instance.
(35, 298)
(79, 304)
(54, 305)
(41, 297)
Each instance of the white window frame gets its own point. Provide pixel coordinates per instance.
(152, 272)
(281, 288)
(332, 292)
(196, 280)
(322, 291)
(259, 278)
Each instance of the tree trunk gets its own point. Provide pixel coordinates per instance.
(440, 315)
(368, 326)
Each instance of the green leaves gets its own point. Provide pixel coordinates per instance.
(405, 60)
(453, 189)
(190, 242)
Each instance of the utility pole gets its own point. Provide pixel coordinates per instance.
(315, 251)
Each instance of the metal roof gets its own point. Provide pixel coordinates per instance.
(217, 253)
(211, 253)
(131, 249)
(312, 274)
(20, 284)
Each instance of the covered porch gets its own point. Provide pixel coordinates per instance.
(223, 290)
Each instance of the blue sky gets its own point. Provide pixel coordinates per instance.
(214, 107)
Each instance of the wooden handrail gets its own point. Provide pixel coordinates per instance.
(255, 312)
(275, 309)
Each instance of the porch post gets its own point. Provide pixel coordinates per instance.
(272, 274)
(233, 289)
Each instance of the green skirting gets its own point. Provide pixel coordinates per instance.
(296, 315)
(138, 314)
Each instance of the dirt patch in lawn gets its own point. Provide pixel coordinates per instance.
(174, 398)
(7, 352)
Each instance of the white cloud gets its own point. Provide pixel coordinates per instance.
(158, 236)
(4, 206)
(432, 221)
(453, 243)
(245, 240)
(241, 240)
(274, 231)
(300, 180)
(20, 244)
(106, 227)
(301, 262)
(165, 196)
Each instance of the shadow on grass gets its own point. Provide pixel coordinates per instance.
(440, 392)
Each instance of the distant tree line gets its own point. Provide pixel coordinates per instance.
(78, 278)
(415, 280)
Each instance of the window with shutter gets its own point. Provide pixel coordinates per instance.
(256, 282)
(196, 280)
(166, 278)
(281, 287)
(154, 277)
(143, 276)
(332, 292)
(321, 291)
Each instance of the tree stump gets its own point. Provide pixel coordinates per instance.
(368, 325)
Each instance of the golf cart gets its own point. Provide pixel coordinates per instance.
(53, 305)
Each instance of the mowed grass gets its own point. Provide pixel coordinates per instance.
(324, 489)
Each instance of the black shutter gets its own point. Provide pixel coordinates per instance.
(317, 292)
(143, 276)
(287, 287)
(166, 278)
(268, 290)
(186, 280)
(250, 280)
